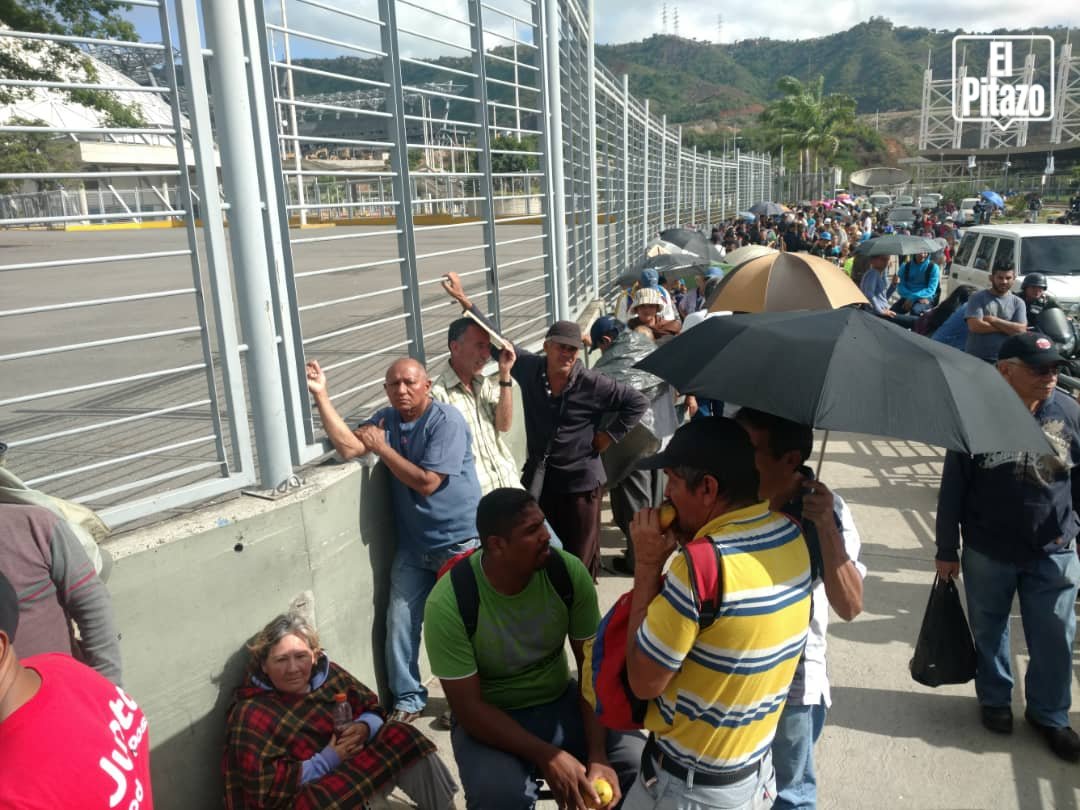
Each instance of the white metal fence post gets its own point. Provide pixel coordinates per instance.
(248, 238)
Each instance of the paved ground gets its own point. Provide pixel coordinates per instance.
(360, 335)
(890, 743)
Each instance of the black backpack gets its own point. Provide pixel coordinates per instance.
(467, 592)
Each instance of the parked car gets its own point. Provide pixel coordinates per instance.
(901, 216)
(880, 201)
(1053, 250)
(931, 201)
(905, 199)
(965, 214)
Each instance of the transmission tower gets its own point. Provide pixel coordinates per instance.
(663, 19)
(719, 27)
(676, 20)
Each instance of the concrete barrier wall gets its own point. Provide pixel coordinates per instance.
(190, 592)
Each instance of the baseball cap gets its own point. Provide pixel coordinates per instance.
(1031, 348)
(825, 235)
(9, 608)
(715, 445)
(603, 326)
(714, 272)
(649, 277)
(566, 332)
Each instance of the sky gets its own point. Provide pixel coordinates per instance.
(629, 20)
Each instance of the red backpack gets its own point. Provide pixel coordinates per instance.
(604, 680)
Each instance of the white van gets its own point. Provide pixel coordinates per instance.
(1050, 249)
(966, 213)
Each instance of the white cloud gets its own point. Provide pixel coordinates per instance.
(629, 20)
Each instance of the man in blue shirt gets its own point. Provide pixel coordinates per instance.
(993, 315)
(427, 446)
(875, 286)
(1019, 524)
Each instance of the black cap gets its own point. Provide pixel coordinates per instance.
(1032, 348)
(715, 445)
(565, 332)
(9, 608)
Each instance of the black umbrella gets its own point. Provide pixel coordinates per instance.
(769, 209)
(693, 241)
(896, 244)
(664, 264)
(846, 369)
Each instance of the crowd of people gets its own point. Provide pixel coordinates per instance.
(496, 565)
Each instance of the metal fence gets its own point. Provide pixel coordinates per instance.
(349, 155)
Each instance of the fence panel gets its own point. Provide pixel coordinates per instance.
(123, 385)
(381, 144)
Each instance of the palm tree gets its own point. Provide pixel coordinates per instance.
(814, 120)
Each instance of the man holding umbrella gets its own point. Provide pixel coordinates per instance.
(1019, 525)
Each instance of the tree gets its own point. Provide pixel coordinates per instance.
(814, 122)
(502, 163)
(55, 61)
(33, 152)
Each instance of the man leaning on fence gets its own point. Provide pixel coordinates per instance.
(426, 447)
(564, 403)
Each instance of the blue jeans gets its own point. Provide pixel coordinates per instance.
(793, 756)
(668, 792)
(1047, 587)
(497, 780)
(412, 576)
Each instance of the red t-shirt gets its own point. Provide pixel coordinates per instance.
(80, 742)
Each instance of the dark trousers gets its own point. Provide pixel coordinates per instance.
(638, 490)
(575, 517)
(498, 780)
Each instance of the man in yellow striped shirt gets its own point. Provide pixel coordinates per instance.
(716, 692)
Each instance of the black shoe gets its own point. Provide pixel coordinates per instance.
(623, 565)
(998, 719)
(1063, 741)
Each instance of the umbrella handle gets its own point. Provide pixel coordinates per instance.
(821, 456)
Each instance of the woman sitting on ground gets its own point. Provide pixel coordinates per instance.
(282, 749)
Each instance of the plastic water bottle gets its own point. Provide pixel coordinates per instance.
(342, 712)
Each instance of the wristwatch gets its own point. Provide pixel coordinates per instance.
(506, 383)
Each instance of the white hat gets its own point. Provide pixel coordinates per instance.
(647, 295)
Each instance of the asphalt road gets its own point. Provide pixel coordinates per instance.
(362, 334)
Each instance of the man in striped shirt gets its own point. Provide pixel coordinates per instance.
(486, 404)
(716, 693)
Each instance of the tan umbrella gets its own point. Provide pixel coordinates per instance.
(746, 253)
(784, 282)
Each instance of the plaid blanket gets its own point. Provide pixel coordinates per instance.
(269, 735)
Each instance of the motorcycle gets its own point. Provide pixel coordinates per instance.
(1065, 335)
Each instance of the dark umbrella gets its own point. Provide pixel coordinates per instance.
(693, 241)
(846, 369)
(896, 244)
(666, 264)
(769, 209)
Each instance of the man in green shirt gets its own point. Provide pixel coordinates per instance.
(519, 713)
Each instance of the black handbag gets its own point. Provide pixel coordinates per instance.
(532, 474)
(944, 651)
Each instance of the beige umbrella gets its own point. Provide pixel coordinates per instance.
(784, 282)
(746, 253)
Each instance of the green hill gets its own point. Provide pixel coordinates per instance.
(881, 65)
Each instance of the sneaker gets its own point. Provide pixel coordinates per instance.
(1063, 741)
(998, 719)
(403, 716)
